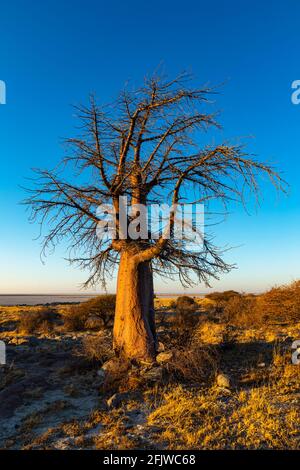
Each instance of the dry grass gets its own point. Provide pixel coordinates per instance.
(37, 321)
(97, 348)
(244, 420)
(209, 332)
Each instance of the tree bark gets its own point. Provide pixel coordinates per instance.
(134, 326)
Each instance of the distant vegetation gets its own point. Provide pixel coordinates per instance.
(222, 296)
(280, 304)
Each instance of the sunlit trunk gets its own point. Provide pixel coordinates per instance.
(134, 327)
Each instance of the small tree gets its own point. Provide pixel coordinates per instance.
(145, 147)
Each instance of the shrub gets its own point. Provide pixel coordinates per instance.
(222, 296)
(75, 319)
(280, 303)
(184, 301)
(185, 308)
(193, 364)
(241, 310)
(39, 321)
(96, 348)
(95, 314)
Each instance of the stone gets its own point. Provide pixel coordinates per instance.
(154, 375)
(110, 364)
(223, 381)
(164, 357)
(101, 373)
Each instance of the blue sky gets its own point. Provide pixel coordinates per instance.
(53, 54)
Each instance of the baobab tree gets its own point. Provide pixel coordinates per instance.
(145, 146)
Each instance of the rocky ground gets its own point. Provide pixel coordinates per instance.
(225, 388)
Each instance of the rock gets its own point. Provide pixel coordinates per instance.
(161, 347)
(164, 357)
(223, 381)
(154, 375)
(111, 364)
(261, 364)
(101, 373)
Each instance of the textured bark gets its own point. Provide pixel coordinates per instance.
(134, 327)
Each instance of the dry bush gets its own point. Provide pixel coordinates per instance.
(241, 311)
(94, 314)
(75, 319)
(280, 304)
(97, 348)
(116, 375)
(184, 301)
(193, 364)
(185, 309)
(39, 321)
(222, 296)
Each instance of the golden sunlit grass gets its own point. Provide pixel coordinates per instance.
(248, 419)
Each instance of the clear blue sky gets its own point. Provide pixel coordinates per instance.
(54, 53)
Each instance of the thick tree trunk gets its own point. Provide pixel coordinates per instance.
(134, 326)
